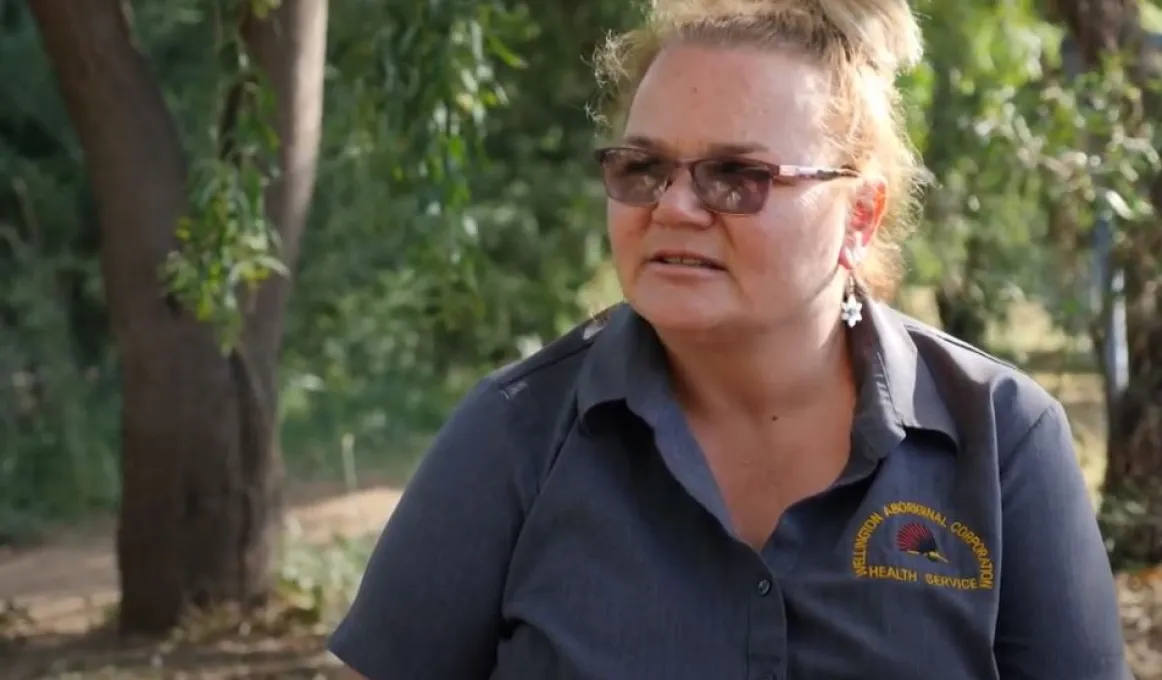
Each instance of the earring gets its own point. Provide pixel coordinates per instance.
(851, 311)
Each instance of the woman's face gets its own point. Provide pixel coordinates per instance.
(761, 269)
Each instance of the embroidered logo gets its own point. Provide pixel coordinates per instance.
(921, 534)
(916, 539)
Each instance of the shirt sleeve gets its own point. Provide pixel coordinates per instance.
(429, 604)
(1058, 614)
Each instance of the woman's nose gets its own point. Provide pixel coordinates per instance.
(679, 203)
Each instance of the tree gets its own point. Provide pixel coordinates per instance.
(1110, 40)
(200, 463)
(972, 112)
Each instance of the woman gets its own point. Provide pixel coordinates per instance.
(752, 470)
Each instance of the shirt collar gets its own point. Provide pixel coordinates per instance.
(625, 362)
(898, 391)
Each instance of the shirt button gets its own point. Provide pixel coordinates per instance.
(764, 587)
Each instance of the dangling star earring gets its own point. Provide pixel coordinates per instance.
(851, 311)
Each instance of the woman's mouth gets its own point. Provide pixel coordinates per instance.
(686, 260)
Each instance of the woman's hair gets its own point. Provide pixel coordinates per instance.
(862, 44)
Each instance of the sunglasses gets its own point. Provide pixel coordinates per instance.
(728, 186)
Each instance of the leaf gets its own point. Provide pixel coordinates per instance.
(1118, 204)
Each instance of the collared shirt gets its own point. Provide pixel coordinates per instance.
(565, 524)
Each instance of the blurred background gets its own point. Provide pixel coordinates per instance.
(195, 455)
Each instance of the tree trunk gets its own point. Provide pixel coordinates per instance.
(200, 465)
(961, 316)
(963, 305)
(1132, 488)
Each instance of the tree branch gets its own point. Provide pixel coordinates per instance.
(290, 47)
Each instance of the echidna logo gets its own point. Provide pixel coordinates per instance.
(916, 539)
(921, 532)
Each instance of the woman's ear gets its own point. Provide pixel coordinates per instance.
(868, 208)
(864, 220)
(854, 250)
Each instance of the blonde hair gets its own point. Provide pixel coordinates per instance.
(862, 44)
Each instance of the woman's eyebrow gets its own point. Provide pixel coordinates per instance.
(735, 149)
(645, 142)
(716, 149)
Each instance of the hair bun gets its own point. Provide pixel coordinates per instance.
(884, 32)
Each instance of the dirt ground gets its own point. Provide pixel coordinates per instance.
(1141, 604)
(60, 591)
(65, 587)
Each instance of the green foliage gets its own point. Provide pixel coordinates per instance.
(1024, 159)
(456, 220)
(58, 411)
(316, 584)
(227, 244)
(56, 424)
(406, 281)
(263, 8)
(981, 58)
(390, 248)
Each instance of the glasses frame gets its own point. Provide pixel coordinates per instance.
(776, 170)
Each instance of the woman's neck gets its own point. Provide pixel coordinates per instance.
(766, 375)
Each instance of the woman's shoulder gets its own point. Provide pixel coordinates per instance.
(530, 403)
(973, 383)
(552, 369)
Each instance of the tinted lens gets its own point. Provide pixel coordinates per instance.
(729, 186)
(635, 177)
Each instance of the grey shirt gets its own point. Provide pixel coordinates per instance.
(565, 525)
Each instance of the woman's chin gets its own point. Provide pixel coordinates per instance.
(682, 314)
